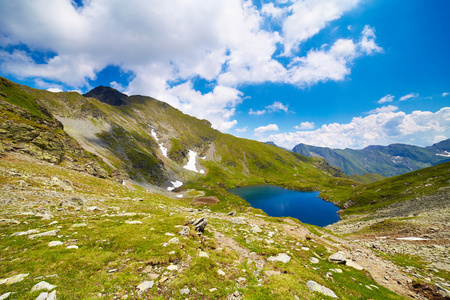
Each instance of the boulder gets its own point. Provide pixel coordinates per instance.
(315, 287)
(338, 257)
(283, 257)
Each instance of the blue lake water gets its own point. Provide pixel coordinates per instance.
(280, 202)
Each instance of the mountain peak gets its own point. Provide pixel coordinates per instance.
(107, 95)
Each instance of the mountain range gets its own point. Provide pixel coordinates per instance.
(130, 193)
(388, 161)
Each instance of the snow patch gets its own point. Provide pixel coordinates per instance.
(154, 134)
(175, 184)
(179, 196)
(445, 154)
(192, 160)
(412, 238)
(161, 146)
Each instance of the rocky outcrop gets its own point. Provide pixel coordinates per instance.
(43, 138)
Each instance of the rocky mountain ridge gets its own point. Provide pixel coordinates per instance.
(388, 161)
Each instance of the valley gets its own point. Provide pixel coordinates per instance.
(125, 197)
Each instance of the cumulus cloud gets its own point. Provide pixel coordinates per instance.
(409, 96)
(387, 98)
(445, 94)
(305, 126)
(262, 129)
(165, 44)
(383, 128)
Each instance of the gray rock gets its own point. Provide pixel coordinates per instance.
(47, 233)
(256, 229)
(235, 296)
(43, 285)
(353, 264)
(200, 225)
(239, 220)
(175, 240)
(283, 257)
(313, 260)
(55, 243)
(146, 285)
(338, 257)
(5, 295)
(220, 272)
(13, 279)
(184, 291)
(315, 287)
(31, 231)
(184, 231)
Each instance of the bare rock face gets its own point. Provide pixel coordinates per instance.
(108, 95)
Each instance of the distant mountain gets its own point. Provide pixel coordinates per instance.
(388, 161)
(107, 95)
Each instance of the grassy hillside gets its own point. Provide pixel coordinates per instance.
(130, 140)
(427, 181)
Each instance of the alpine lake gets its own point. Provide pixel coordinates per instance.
(280, 202)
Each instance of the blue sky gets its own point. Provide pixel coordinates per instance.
(336, 73)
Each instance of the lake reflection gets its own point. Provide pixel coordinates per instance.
(280, 202)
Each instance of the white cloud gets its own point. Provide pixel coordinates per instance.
(387, 98)
(305, 126)
(445, 94)
(223, 41)
(277, 106)
(383, 128)
(383, 109)
(244, 129)
(262, 129)
(409, 96)
(257, 112)
(308, 17)
(54, 89)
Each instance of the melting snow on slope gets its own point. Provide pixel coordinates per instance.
(175, 184)
(445, 154)
(161, 146)
(192, 160)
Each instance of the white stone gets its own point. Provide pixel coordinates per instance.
(191, 165)
(338, 257)
(133, 222)
(47, 233)
(172, 268)
(220, 272)
(175, 240)
(283, 257)
(256, 229)
(142, 287)
(92, 208)
(313, 260)
(42, 296)
(211, 290)
(31, 231)
(79, 225)
(170, 234)
(305, 248)
(72, 247)
(203, 254)
(184, 291)
(5, 295)
(13, 279)
(55, 243)
(315, 287)
(43, 285)
(51, 296)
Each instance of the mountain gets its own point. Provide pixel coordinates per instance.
(149, 142)
(107, 95)
(133, 196)
(388, 161)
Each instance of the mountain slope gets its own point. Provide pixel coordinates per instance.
(150, 142)
(388, 161)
